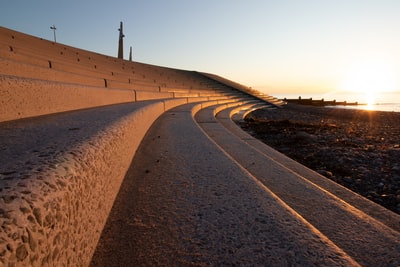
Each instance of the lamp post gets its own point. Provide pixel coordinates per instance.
(54, 32)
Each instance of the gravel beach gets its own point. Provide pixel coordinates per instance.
(356, 148)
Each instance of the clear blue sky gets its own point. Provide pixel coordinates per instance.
(281, 46)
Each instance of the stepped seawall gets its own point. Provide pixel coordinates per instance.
(108, 162)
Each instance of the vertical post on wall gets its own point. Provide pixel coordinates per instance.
(130, 54)
(54, 32)
(121, 42)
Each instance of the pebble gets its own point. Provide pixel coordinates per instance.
(348, 179)
(21, 253)
(305, 136)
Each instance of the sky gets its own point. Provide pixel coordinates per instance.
(275, 46)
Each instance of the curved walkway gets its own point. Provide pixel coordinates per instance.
(364, 238)
(186, 202)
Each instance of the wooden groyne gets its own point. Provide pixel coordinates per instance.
(320, 102)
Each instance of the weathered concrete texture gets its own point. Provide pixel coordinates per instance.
(186, 203)
(59, 178)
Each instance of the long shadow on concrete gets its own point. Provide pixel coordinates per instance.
(184, 202)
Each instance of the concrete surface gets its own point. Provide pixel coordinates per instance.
(23, 97)
(367, 240)
(184, 202)
(374, 210)
(21, 69)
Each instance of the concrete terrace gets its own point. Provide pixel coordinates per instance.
(106, 162)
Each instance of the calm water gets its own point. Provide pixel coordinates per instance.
(381, 107)
(383, 102)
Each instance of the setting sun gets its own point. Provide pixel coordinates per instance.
(369, 79)
(370, 100)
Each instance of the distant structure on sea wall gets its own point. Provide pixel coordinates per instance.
(121, 42)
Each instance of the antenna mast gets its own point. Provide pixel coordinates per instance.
(54, 32)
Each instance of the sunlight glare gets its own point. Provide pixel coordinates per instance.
(370, 100)
(369, 79)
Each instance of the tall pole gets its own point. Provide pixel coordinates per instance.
(130, 54)
(121, 42)
(54, 32)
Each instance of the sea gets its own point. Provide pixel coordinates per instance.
(382, 102)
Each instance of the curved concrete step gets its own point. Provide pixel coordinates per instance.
(48, 60)
(24, 97)
(366, 239)
(59, 177)
(374, 210)
(27, 56)
(186, 202)
(248, 90)
(20, 69)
